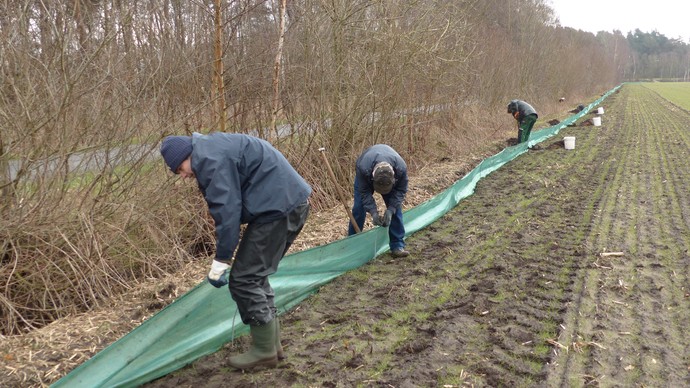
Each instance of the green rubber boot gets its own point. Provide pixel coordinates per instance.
(262, 352)
(279, 347)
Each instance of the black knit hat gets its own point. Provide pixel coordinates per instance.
(175, 149)
(383, 177)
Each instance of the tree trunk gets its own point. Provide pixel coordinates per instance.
(276, 67)
(7, 187)
(218, 71)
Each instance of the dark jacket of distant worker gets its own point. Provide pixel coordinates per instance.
(525, 115)
(245, 180)
(381, 169)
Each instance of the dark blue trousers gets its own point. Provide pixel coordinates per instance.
(257, 257)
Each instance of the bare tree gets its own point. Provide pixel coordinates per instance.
(218, 66)
(277, 66)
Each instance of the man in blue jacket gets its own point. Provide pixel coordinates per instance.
(525, 116)
(381, 169)
(245, 181)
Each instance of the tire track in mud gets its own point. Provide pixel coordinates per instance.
(672, 145)
(637, 304)
(578, 328)
(579, 331)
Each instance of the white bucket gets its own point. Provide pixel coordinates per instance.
(596, 121)
(600, 110)
(569, 142)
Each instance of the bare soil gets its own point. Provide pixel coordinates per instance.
(517, 285)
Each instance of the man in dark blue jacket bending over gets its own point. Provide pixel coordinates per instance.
(380, 169)
(245, 181)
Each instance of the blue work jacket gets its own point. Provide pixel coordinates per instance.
(364, 167)
(244, 179)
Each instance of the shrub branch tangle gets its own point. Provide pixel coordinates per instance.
(88, 88)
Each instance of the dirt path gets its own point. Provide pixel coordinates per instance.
(509, 288)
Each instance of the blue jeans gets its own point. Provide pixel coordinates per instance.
(396, 230)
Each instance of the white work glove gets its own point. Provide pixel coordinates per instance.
(218, 276)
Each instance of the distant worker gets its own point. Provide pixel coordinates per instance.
(380, 169)
(245, 181)
(525, 116)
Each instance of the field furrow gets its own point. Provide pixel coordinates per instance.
(634, 299)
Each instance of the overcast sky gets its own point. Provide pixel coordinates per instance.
(669, 17)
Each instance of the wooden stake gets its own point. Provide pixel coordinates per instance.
(322, 150)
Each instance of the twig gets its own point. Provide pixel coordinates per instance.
(596, 344)
(601, 266)
(552, 342)
(607, 254)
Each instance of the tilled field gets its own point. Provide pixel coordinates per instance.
(565, 268)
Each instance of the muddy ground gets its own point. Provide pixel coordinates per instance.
(511, 288)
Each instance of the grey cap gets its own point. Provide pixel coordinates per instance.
(383, 177)
(513, 106)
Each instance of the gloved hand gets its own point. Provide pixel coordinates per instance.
(387, 217)
(375, 219)
(218, 276)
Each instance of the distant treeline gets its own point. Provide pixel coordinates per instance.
(658, 57)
